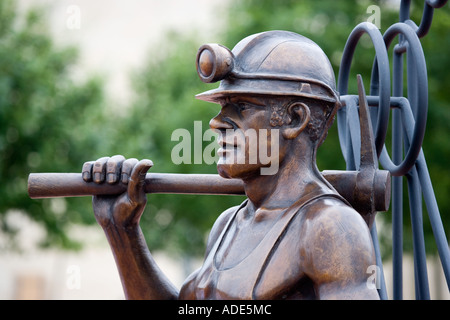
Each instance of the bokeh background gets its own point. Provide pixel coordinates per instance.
(83, 79)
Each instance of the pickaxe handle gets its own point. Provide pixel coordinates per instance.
(51, 185)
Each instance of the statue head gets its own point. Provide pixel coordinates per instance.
(281, 72)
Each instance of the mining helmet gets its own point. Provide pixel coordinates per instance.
(268, 63)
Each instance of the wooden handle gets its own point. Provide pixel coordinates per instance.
(52, 185)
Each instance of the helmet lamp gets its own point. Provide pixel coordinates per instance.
(214, 62)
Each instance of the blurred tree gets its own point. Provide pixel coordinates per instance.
(45, 122)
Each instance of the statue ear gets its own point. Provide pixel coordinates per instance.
(300, 115)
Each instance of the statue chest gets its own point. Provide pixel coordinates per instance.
(254, 262)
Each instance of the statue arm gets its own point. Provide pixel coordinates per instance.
(140, 275)
(119, 217)
(339, 253)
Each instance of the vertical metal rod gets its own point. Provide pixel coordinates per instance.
(404, 10)
(413, 89)
(430, 199)
(434, 216)
(382, 290)
(397, 237)
(350, 162)
(354, 152)
(397, 182)
(420, 259)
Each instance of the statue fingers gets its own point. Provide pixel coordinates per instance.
(127, 168)
(113, 168)
(99, 170)
(137, 180)
(86, 171)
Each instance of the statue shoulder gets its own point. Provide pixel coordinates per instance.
(331, 218)
(337, 240)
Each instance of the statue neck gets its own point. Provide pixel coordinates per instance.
(297, 175)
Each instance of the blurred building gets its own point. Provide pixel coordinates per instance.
(33, 273)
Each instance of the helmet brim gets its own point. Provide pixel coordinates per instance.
(218, 95)
(301, 87)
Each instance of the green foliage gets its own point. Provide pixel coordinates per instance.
(43, 121)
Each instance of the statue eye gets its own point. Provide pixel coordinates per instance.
(243, 106)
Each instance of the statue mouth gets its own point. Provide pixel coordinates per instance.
(226, 151)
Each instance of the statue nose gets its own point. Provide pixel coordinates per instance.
(218, 123)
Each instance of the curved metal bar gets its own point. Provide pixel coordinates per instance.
(384, 83)
(422, 99)
(425, 23)
(436, 4)
(427, 16)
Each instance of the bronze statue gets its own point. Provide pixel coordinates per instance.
(295, 236)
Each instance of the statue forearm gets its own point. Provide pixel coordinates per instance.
(140, 275)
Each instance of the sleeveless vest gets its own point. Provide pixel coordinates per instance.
(241, 280)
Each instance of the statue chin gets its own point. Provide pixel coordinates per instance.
(238, 171)
(226, 169)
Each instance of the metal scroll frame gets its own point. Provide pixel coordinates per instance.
(409, 116)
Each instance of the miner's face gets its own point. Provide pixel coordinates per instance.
(249, 144)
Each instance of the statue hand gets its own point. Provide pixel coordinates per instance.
(122, 210)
